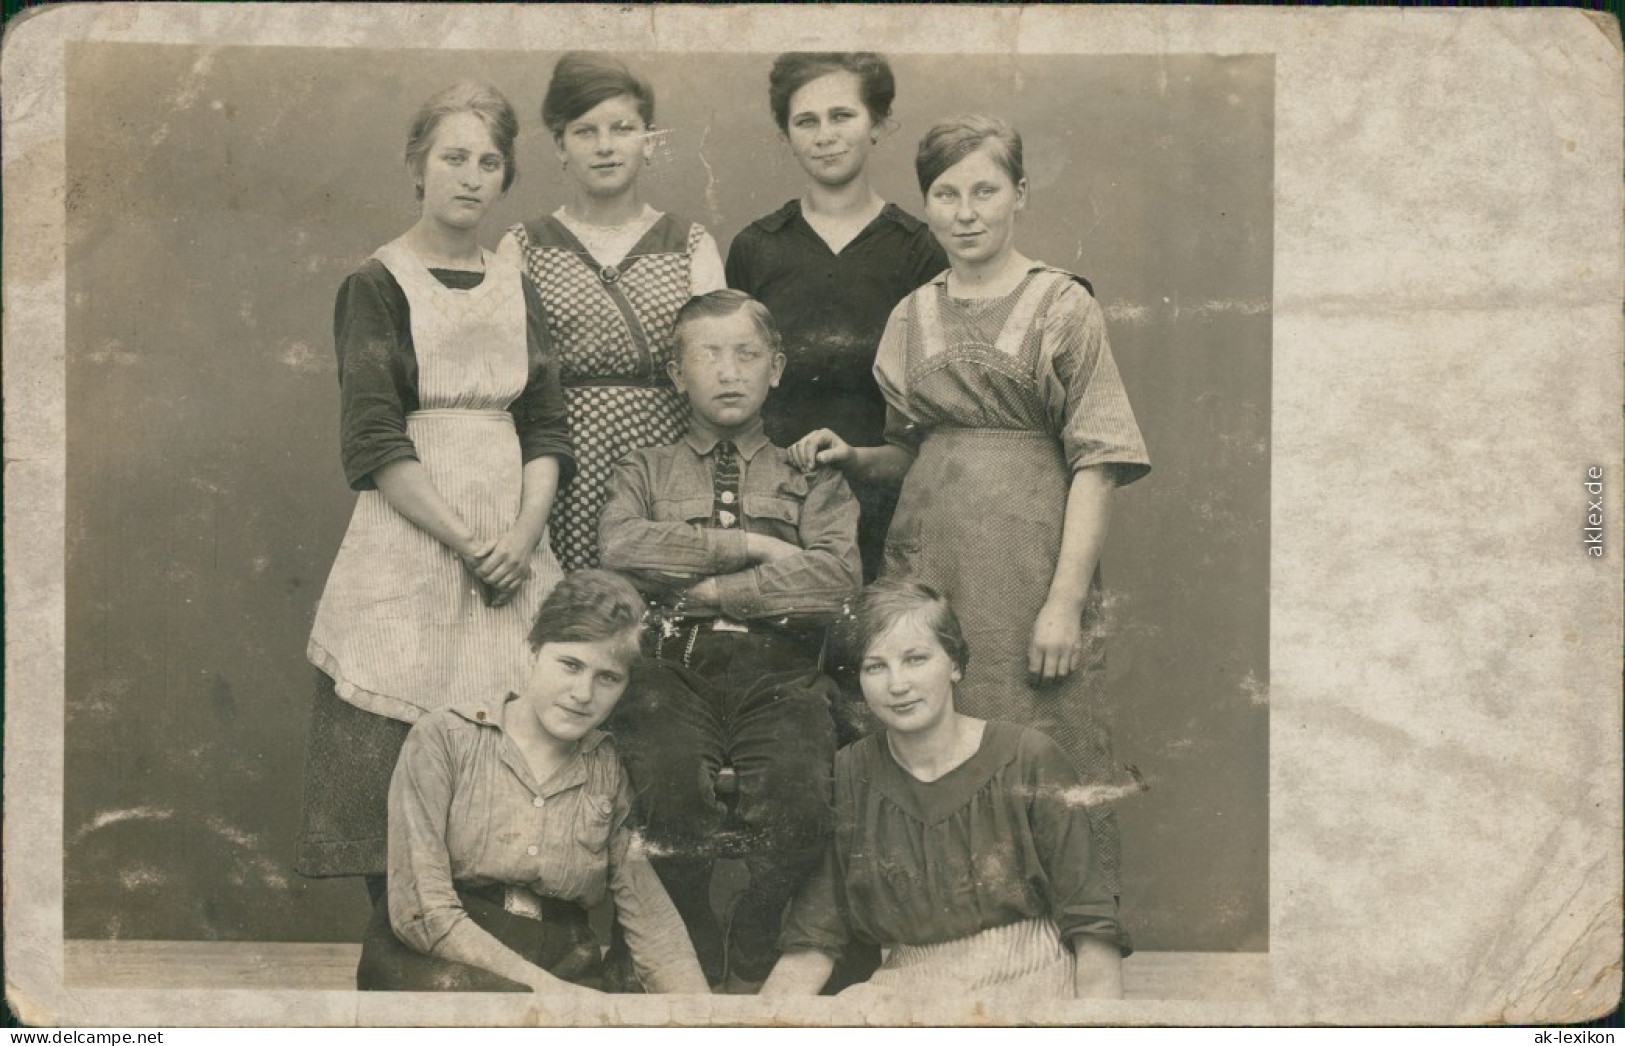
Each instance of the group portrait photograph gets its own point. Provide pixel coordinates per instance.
(566, 525)
(646, 523)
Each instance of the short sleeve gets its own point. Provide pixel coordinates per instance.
(705, 273)
(819, 919)
(891, 374)
(1082, 390)
(540, 414)
(372, 337)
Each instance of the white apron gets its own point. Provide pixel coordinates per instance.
(401, 627)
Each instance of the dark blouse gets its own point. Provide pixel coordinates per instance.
(999, 839)
(831, 309)
(378, 376)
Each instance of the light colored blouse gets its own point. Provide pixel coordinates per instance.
(465, 810)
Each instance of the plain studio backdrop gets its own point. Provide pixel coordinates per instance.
(218, 196)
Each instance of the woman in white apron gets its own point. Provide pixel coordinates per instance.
(454, 432)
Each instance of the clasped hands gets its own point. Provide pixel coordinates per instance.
(500, 565)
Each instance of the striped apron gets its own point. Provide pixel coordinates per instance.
(402, 628)
(1023, 960)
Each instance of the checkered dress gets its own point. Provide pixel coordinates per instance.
(612, 327)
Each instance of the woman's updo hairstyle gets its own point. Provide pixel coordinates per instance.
(589, 606)
(584, 80)
(794, 70)
(953, 139)
(466, 96)
(881, 606)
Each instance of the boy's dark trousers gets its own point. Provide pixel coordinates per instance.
(756, 703)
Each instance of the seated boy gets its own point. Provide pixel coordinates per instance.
(750, 558)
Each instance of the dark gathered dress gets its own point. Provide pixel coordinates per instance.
(1002, 400)
(830, 309)
(981, 879)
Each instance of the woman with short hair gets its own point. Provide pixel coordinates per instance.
(1007, 416)
(961, 845)
(833, 263)
(508, 819)
(612, 271)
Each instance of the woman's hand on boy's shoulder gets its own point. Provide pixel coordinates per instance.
(820, 447)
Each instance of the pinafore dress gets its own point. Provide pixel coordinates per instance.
(973, 386)
(402, 628)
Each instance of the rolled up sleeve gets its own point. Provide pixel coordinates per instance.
(540, 414)
(376, 379)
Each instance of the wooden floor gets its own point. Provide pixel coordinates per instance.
(1230, 977)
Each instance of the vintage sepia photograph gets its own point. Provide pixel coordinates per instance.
(554, 509)
(1112, 328)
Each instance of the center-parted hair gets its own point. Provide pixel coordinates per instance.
(466, 96)
(590, 606)
(584, 80)
(881, 606)
(955, 138)
(718, 304)
(794, 70)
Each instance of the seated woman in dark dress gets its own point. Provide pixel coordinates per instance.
(961, 845)
(507, 820)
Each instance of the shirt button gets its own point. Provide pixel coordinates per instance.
(532, 851)
(727, 497)
(538, 801)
